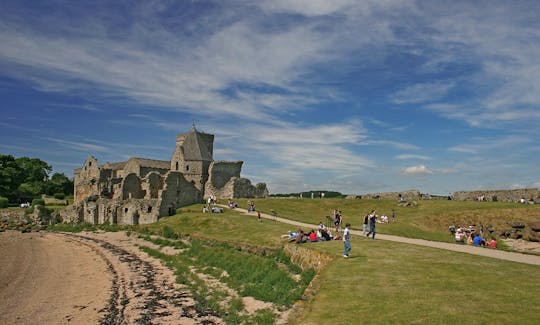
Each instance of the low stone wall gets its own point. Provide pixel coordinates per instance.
(306, 258)
(406, 195)
(500, 195)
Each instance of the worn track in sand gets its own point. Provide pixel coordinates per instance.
(89, 279)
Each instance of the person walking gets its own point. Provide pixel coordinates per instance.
(365, 225)
(346, 240)
(372, 222)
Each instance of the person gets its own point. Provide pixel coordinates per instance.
(321, 225)
(493, 243)
(312, 236)
(325, 235)
(478, 240)
(372, 222)
(337, 220)
(365, 225)
(346, 240)
(393, 216)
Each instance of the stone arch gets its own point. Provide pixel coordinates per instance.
(131, 187)
(155, 184)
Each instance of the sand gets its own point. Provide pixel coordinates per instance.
(89, 278)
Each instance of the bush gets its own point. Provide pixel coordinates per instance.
(59, 196)
(3, 202)
(38, 202)
(168, 232)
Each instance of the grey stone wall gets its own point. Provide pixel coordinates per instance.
(500, 195)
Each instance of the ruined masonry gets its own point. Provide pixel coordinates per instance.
(140, 191)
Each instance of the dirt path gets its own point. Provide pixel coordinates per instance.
(50, 278)
(503, 255)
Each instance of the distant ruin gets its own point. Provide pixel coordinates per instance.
(140, 190)
(527, 195)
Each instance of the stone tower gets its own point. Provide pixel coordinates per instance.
(193, 155)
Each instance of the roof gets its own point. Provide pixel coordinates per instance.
(198, 145)
(114, 166)
(153, 163)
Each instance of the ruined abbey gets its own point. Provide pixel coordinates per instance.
(139, 190)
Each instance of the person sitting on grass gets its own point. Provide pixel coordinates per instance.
(493, 243)
(478, 240)
(312, 236)
(325, 234)
(300, 237)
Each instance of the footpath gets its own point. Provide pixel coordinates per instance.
(481, 251)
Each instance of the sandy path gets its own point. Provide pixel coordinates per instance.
(88, 278)
(503, 255)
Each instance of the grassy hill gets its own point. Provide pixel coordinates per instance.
(386, 282)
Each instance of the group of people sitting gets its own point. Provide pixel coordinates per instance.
(471, 236)
(321, 234)
(232, 204)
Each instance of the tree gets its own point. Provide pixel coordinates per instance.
(10, 176)
(59, 183)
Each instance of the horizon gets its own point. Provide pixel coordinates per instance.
(355, 97)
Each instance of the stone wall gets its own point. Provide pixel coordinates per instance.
(244, 188)
(407, 195)
(500, 195)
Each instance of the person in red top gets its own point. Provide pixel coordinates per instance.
(493, 243)
(312, 236)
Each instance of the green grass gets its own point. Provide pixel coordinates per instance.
(386, 282)
(429, 220)
(227, 226)
(383, 282)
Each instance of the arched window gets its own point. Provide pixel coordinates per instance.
(177, 165)
(187, 167)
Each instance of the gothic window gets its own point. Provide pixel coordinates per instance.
(187, 168)
(177, 165)
(125, 210)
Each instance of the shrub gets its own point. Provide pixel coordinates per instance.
(59, 196)
(38, 202)
(3, 202)
(168, 232)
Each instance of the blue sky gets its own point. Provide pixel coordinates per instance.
(351, 96)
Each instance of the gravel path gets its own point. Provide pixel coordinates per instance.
(503, 255)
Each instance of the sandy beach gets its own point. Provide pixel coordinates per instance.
(88, 278)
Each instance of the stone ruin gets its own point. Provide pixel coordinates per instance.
(530, 195)
(140, 191)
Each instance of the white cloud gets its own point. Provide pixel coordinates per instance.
(394, 144)
(421, 93)
(416, 170)
(411, 156)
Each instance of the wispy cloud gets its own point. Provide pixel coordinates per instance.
(412, 157)
(416, 170)
(422, 93)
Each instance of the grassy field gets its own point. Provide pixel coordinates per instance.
(429, 220)
(386, 282)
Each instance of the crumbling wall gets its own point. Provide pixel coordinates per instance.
(499, 195)
(220, 175)
(243, 188)
(86, 179)
(131, 187)
(152, 184)
(406, 195)
(177, 192)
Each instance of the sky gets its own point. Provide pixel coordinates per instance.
(349, 96)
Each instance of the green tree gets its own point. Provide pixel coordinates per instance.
(59, 183)
(10, 176)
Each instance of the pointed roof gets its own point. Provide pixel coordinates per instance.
(197, 145)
